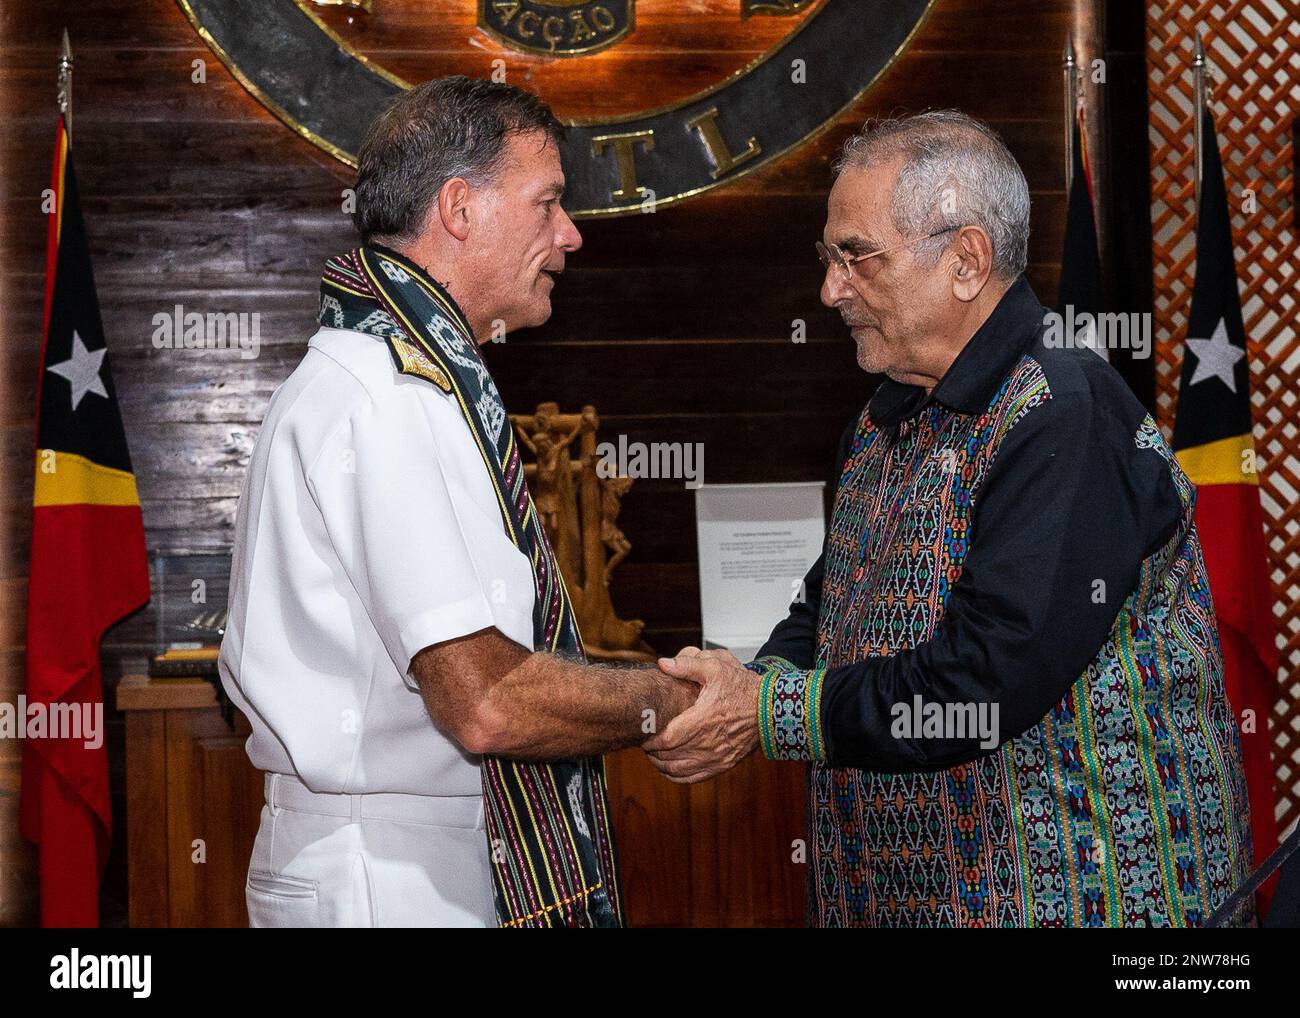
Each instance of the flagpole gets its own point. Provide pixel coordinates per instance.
(65, 82)
(1070, 87)
(1198, 77)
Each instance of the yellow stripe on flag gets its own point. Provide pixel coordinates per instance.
(1221, 462)
(63, 478)
(59, 188)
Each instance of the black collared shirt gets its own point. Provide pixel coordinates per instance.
(1003, 579)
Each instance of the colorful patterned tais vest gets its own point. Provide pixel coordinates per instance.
(1124, 806)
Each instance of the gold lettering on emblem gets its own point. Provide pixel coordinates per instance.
(625, 160)
(553, 30)
(555, 26)
(716, 146)
(581, 30)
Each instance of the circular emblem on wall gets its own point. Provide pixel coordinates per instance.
(663, 100)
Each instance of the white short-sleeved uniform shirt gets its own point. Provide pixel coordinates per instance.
(368, 529)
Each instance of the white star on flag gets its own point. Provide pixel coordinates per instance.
(1215, 357)
(82, 370)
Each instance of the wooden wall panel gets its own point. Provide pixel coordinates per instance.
(675, 326)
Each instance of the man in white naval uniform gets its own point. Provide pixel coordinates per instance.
(381, 622)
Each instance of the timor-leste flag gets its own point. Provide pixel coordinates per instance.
(1214, 443)
(1081, 286)
(88, 566)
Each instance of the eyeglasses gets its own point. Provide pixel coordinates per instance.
(831, 254)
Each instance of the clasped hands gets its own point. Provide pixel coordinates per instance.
(720, 729)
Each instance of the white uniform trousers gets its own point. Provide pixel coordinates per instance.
(368, 860)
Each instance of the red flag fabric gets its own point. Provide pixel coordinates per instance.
(88, 569)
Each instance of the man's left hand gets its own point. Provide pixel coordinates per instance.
(720, 730)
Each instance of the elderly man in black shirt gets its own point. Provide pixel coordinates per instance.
(1005, 670)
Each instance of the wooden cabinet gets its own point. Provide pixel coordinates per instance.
(192, 805)
(722, 853)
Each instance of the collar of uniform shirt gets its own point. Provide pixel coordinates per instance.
(978, 370)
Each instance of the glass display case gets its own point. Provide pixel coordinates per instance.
(189, 602)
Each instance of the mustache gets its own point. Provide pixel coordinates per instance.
(857, 322)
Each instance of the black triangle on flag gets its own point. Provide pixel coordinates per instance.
(1081, 285)
(78, 410)
(1214, 390)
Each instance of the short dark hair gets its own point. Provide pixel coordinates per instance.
(449, 127)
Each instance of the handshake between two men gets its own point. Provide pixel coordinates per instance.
(695, 715)
(719, 729)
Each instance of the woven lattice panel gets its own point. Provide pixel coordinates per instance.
(1253, 48)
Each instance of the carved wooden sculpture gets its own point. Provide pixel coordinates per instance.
(579, 511)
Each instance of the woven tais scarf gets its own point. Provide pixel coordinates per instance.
(547, 824)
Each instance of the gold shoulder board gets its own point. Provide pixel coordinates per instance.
(411, 360)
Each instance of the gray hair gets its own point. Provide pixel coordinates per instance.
(449, 127)
(956, 172)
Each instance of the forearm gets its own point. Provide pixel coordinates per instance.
(549, 708)
(947, 701)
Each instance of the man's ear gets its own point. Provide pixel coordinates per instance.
(453, 207)
(973, 263)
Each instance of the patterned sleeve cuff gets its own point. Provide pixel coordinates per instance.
(790, 710)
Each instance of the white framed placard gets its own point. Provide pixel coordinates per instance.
(756, 543)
